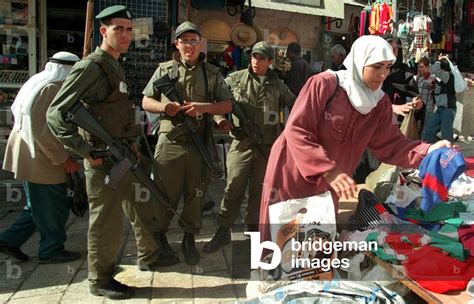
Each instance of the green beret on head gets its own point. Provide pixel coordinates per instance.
(187, 26)
(264, 49)
(115, 11)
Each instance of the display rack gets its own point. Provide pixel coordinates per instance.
(17, 54)
(150, 42)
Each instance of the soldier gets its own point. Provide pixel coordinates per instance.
(180, 164)
(262, 96)
(98, 81)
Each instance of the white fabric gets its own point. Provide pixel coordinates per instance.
(366, 50)
(21, 107)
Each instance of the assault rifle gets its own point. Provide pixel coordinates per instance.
(187, 124)
(119, 152)
(250, 128)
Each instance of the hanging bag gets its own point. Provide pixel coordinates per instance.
(76, 190)
(409, 127)
(460, 84)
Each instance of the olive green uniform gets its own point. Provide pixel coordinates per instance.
(262, 99)
(180, 164)
(91, 83)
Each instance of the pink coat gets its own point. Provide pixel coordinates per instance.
(319, 137)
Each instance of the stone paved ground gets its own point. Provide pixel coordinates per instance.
(213, 281)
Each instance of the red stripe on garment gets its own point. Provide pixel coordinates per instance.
(432, 183)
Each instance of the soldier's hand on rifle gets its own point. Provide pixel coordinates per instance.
(94, 162)
(194, 109)
(70, 165)
(135, 151)
(225, 125)
(172, 108)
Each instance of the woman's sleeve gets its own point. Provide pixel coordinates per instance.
(390, 145)
(301, 131)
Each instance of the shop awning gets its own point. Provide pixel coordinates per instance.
(330, 9)
(355, 3)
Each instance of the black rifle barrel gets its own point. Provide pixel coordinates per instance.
(250, 128)
(117, 151)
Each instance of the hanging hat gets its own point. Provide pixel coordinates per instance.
(258, 31)
(282, 36)
(243, 35)
(115, 11)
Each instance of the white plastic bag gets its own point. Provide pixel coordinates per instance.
(308, 219)
(460, 84)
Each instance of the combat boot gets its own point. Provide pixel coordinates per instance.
(166, 256)
(164, 247)
(221, 238)
(188, 246)
(113, 290)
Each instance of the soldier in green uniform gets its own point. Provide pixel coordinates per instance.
(262, 96)
(179, 162)
(98, 81)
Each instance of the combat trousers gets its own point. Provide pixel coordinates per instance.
(180, 167)
(243, 168)
(47, 209)
(106, 217)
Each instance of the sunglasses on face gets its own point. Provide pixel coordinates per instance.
(192, 42)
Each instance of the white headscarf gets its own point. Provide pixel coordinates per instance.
(55, 70)
(366, 50)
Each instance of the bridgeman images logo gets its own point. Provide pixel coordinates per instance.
(317, 253)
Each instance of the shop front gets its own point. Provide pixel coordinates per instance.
(229, 35)
(18, 54)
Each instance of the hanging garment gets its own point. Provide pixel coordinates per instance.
(374, 19)
(469, 17)
(363, 16)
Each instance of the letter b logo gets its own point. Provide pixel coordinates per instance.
(256, 249)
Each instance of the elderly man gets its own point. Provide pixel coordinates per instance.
(338, 54)
(36, 157)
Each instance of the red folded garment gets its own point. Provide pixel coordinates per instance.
(469, 166)
(438, 272)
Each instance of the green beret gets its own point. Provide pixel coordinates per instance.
(264, 49)
(187, 26)
(115, 11)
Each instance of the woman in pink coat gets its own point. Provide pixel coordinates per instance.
(331, 125)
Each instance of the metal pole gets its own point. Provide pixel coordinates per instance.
(395, 17)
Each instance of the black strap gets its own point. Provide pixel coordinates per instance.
(335, 90)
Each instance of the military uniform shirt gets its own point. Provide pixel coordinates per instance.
(87, 82)
(190, 85)
(261, 99)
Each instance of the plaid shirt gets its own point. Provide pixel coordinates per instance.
(425, 88)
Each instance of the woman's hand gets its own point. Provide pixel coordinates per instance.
(417, 103)
(344, 186)
(402, 109)
(441, 144)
